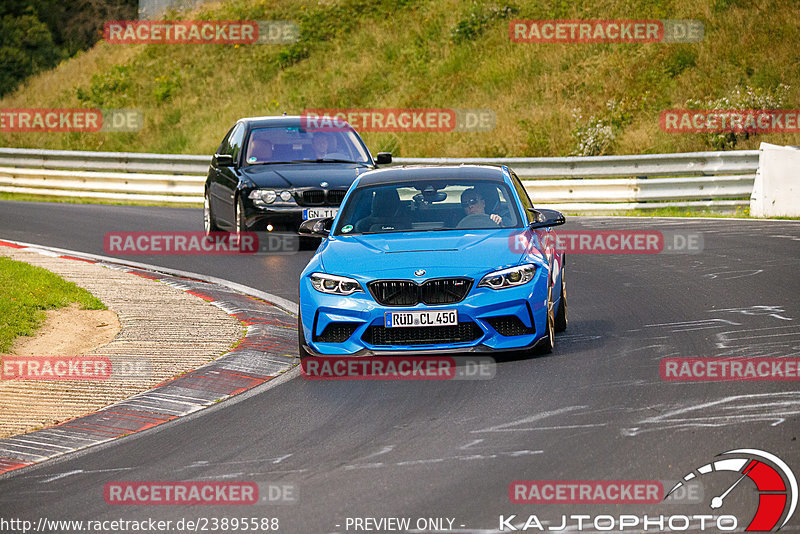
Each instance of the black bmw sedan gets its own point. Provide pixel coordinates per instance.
(271, 173)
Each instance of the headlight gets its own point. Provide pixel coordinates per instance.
(262, 197)
(338, 285)
(266, 196)
(511, 277)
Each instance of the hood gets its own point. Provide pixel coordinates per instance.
(398, 255)
(338, 175)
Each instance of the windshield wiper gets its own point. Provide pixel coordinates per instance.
(327, 160)
(272, 162)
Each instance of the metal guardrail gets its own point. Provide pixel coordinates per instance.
(600, 183)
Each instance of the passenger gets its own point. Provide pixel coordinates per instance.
(259, 150)
(493, 206)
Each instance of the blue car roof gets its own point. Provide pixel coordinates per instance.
(423, 173)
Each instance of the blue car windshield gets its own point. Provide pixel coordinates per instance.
(293, 145)
(415, 206)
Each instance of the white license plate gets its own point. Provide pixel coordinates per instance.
(420, 318)
(316, 213)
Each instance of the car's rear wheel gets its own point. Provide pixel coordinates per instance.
(561, 314)
(209, 224)
(546, 344)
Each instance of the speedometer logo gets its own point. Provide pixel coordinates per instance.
(775, 483)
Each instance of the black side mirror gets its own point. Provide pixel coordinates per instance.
(383, 158)
(544, 218)
(224, 160)
(316, 227)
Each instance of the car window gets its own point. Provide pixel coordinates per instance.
(225, 146)
(523, 196)
(298, 144)
(454, 204)
(236, 141)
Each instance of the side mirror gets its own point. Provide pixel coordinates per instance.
(544, 218)
(316, 227)
(383, 158)
(224, 160)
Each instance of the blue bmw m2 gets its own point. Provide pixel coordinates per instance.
(433, 260)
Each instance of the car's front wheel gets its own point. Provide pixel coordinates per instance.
(301, 337)
(239, 226)
(561, 314)
(546, 344)
(209, 224)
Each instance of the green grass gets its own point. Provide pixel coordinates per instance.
(429, 54)
(687, 212)
(76, 200)
(26, 291)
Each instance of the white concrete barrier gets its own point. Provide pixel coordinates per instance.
(776, 191)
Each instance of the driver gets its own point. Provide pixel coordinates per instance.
(475, 209)
(320, 145)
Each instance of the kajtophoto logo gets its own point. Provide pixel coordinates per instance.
(775, 492)
(774, 481)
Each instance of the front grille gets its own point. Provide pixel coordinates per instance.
(336, 332)
(394, 292)
(510, 325)
(460, 333)
(313, 197)
(335, 197)
(409, 293)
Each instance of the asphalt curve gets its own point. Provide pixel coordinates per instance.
(596, 409)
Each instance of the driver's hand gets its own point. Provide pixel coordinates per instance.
(496, 218)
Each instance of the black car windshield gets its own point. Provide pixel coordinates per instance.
(294, 144)
(462, 204)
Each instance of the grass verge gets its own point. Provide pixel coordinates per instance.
(26, 291)
(21, 197)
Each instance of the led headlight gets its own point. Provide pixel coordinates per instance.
(511, 277)
(337, 285)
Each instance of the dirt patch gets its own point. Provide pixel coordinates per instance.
(69, 331)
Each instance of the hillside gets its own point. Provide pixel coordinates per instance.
(548, 99)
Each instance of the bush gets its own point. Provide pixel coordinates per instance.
(479, 17)
(742, 99)
(596, 137)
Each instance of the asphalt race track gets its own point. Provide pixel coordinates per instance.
(596, 409)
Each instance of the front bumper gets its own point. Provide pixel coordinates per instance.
(356, 314)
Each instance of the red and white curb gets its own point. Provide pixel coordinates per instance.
(268, 349)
